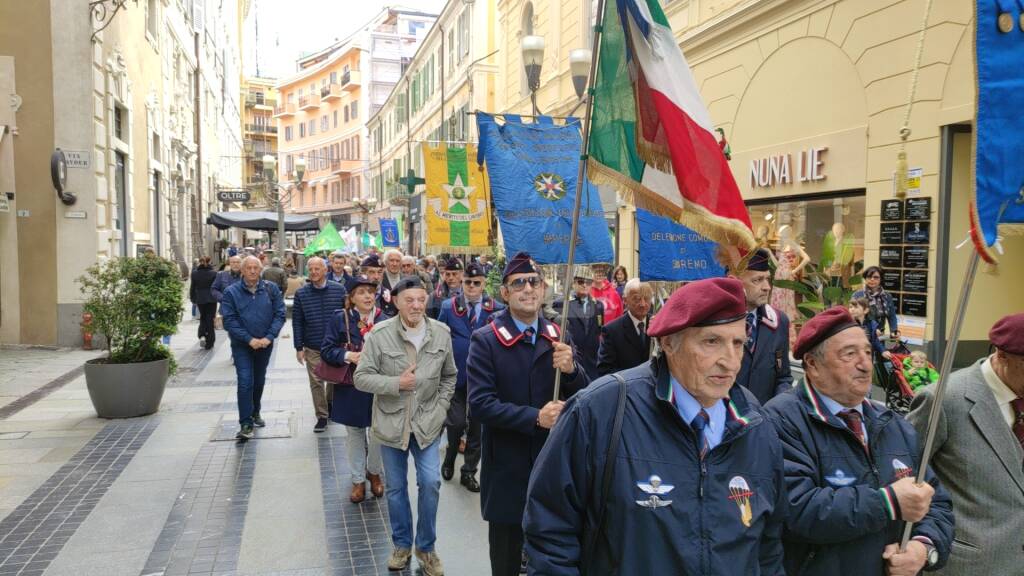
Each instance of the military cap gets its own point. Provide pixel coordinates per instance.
(1008, 334)
(406, 283)
(822, 327)
(518, 264)
(701, 303)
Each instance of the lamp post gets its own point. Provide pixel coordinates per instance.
(269, 163)
(580, 61)
(366, 205)
(533, 60)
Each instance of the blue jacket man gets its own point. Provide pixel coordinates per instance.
(765, 370)
(850, 466)
(254, 313)
(313, 306)
(463, 314)
(585, 323)
(695, 485)
(511, 369)
(226, 278)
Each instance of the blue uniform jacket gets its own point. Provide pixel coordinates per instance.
(458, 317)
(766, 371)
(585, 330)
(667, 512)
(312, 309)
(250, 315)
(509, 382)
(841, 511)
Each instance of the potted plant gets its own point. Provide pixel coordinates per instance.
(816, 289)
(134, 302)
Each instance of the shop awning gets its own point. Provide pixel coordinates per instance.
(266, 221)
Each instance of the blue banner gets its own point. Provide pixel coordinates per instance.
(532, 170)
(672, 252)
(389, 233)
(999, 137)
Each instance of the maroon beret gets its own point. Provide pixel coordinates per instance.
(822, 327)
(701, 303)
(1008, 334)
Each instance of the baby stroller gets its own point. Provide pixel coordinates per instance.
(889, 374)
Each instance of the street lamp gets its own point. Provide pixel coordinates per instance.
(269, 163)
(579, 66)
(533, 60)
(366, 205)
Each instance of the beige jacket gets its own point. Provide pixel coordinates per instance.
(397, 414)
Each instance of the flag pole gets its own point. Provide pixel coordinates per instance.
(581, 176)
(944, 374)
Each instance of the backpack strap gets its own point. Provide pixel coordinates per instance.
(608, 475)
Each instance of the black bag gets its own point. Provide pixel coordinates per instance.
(607, 477)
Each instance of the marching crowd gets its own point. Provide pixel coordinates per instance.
(678, 442)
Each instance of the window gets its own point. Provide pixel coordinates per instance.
(527, 26)
(289, 165)
(289, 133)
(335, 118)
(451, 50)
(325, 123)
(300, 93)
(464, 41)
(302, 129)
(119, 118)
(152, 18)
(334, 77)
(312, 127)
(356, 145)
(312, 88)
(355, 110)
(121, 196)
(323, 158)
(291, 98)
(345, 151)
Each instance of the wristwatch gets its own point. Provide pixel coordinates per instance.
(931, 555)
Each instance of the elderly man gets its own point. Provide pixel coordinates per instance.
(409, 268)
(977, 454)
(624, 341)
(668, 467)
(850, 466)
(407, 363)
(392, 270)
(254, 313)
(511, 369)
(765, 369)
(450, 287)
(585, 322)
(314, 305)
(274, 273)
(226, 278)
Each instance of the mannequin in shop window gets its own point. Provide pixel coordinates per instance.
(837, 255)
(791, 259)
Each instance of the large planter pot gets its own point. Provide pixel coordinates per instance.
(125, 390)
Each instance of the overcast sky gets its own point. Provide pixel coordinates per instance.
(288, 29)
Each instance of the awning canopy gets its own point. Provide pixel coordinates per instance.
(266, 221)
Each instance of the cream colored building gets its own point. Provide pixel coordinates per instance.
(118, 93)
(259, 135)
(452, 74)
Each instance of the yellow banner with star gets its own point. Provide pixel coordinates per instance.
(457, 211)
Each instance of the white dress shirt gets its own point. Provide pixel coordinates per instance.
(1000, 390)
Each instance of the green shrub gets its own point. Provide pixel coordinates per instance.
(134, 303)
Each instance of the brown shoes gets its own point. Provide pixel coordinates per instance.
(376, 484)
(358, 493)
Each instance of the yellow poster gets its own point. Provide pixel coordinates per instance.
(457, 211)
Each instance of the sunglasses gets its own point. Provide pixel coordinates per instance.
(473, 282)
(519, 284)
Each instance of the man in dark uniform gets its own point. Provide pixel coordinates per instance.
(624, 341)
(372, 269)
(449, 286)
(765, 370)
(463, 314)
(511, 368)
(851, 465)
(696, 483)
(586, 319)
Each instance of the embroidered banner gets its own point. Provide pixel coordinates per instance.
(457, 212)
(389, 232)
(672, 252)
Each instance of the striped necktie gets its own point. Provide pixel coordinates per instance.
(699, 424)
(751, 331)
(1018, 419)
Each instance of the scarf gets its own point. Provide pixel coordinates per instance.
(877, 302)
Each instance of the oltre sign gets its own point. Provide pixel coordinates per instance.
(242, 196)
(781, 169)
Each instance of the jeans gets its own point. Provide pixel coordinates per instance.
(363, 456)
(251, 369)
(428, 481)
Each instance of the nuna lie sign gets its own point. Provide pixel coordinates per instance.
(808, 166)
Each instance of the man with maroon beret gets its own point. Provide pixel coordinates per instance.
(851, 465)
(978, 456)
(696, 483)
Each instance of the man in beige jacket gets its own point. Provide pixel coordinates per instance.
(407, 364)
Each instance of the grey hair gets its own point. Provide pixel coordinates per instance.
(818, 351)
(315, 259)
(275, 262)
(391, 251)
(408, 260)
(634, 284)
(670, 342)
(253, 258)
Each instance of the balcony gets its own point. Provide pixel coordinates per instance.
(309, 103)
(285, 111)
(259, 101)
(350, 80)
(343, 167)
(330, 92)
(260, 129)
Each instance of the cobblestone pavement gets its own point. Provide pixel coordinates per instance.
(160, 495)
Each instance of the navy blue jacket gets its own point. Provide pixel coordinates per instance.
(221, 283)
(871, 331)
(350, 406)
(585, 330)
(441, 293)
(250, 315)
(766, 371)
(312, 309)
(509, 382)
(722, 517)
(842, 512)
(622, 347)
(458, 317)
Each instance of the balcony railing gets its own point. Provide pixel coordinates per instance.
(350, 80)
(330, 92)
(261, 128)
(284, 111)
(309, 103)
(259, 100)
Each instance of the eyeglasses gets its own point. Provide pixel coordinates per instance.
(519, 284)
(873, 277)
(473, 282)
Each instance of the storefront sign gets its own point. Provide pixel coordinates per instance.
(919, 208)
(914, 304)
(891, 280)
(890, 256)
(913, 182)
(915, 281)
(915, 257)
(5, 205)
(415, 208)
(892, 210)
(779, 169)
(912, 329)
(242, 196)
(917, 233)
(892, 233)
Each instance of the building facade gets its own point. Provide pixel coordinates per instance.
(259, 136)
(140, 101)
(322, 111)
(451, 75)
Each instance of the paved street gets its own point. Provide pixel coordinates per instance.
(160, 495)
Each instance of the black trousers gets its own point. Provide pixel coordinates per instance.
(457, 422)
(207, 312)
(506, 541)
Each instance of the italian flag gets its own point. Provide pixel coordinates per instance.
(651, 135)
